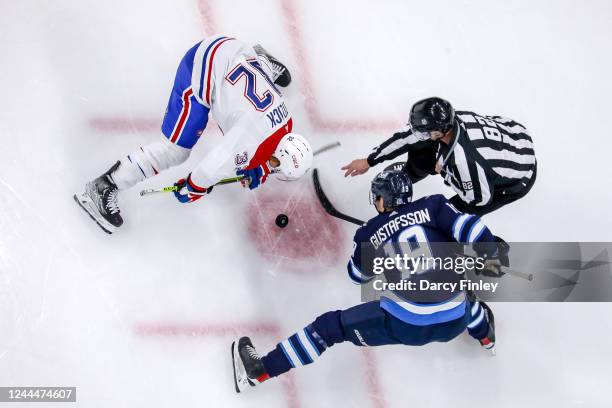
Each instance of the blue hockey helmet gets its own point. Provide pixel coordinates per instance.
(393, 186)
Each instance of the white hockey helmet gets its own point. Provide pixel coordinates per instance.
(295, 156)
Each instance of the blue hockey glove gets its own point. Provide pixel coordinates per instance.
(188, 192)
(254, 177)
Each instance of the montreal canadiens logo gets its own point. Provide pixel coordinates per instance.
(242, 158)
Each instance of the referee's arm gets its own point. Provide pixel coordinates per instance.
(401, 142)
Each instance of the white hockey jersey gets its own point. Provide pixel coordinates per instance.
(229, 79)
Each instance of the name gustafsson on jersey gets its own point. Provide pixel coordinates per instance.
(425, 285)
(404, 220)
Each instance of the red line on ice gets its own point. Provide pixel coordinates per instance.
(222, 330)
(372, 379)
(207, 17)
(115, 125)
(295, 36)
(118, 124)
(194, 330)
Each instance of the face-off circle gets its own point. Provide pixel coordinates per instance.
(312, 238)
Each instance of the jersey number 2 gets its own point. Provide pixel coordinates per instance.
(263, 102)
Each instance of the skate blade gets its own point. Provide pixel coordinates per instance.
(86, 204)
(234, 362)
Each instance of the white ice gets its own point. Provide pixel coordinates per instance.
(81, 308)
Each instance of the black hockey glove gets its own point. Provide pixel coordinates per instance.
(495, 260)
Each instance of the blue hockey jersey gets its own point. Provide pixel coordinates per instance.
(425, 229)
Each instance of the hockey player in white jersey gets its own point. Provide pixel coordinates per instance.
(237, 84)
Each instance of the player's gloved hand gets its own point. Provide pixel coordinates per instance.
(188, 192)
(254, 177)
(495, 260)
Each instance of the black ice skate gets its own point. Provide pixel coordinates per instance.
(280, 73)
(488, 341)
(248, 367)
(100, 201)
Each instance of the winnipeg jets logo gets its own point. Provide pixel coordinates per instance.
(242, 158)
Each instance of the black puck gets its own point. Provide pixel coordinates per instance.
(282, 220)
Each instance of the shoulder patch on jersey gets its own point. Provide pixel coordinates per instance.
(242, 159)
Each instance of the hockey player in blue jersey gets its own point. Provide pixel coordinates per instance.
(392, 319)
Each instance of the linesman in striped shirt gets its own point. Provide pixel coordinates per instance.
(488, 160)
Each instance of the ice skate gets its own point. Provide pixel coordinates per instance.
(248, 367)
(280, 73)
(488, 341)
(100, 201)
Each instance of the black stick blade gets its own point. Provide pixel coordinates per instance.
(327, 205)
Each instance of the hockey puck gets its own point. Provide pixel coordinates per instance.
(282, 220)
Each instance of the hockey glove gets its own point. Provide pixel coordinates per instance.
(254, 177)
(495, 260)
(187, 191)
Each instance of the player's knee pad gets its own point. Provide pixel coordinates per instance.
(329, 328)
(147, 161)
(164, 154)
(366, 325)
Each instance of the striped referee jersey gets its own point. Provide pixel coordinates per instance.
(486, 154)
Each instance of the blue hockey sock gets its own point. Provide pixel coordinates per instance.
(306, 345)
(479, 325)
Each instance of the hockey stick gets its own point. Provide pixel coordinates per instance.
(170, 189)
(509, 271)
(326, 147)
(327, 205)
(518, 274)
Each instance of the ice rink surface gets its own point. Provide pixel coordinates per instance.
(145, 317)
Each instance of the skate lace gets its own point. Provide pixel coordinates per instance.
(253, 353)
(276, 68)
(111, 202)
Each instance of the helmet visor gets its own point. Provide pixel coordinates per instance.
(421, 135)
